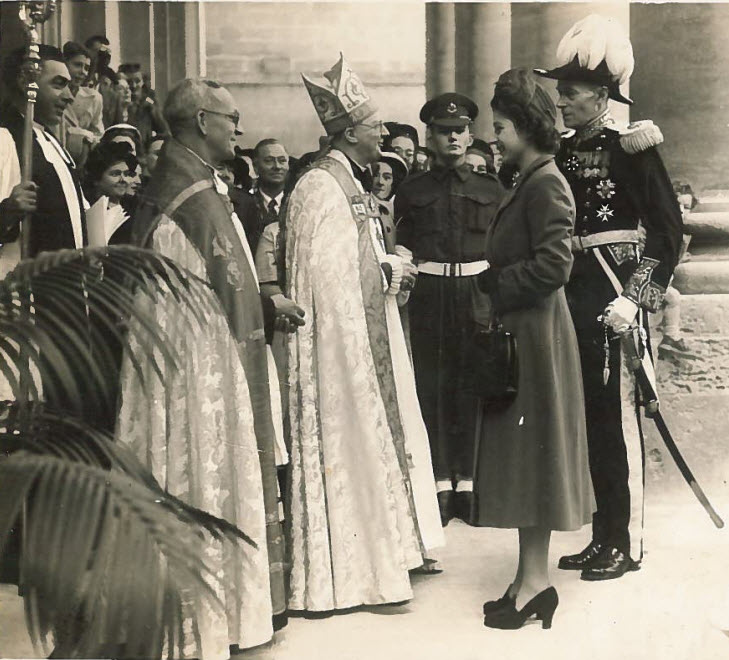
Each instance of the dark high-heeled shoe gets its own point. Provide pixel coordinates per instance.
(542, 605)
(494, 605)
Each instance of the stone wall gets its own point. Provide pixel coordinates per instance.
(260, 49)
(681, 82)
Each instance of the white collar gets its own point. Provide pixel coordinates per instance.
(220, 186)
(267, 198)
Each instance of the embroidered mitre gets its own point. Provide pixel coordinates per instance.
(340, 99)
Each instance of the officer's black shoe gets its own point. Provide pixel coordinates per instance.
(463, 503)
(610, 565)
(581, 560)
(446, 504)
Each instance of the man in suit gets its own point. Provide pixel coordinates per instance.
(54, 197)
(263, 205)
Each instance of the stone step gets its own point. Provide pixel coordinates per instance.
(698, 424)
(702, 276)
(707, 227)
(713, 200)
(706, 372)
(705, 315)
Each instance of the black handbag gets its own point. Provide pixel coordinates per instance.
(494, 366)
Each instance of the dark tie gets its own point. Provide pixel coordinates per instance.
(272, 210)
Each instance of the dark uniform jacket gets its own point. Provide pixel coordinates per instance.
(443, 214)
(620, 185)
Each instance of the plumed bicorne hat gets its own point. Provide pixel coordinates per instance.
(595, 50)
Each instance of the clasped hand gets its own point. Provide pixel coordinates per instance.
(409, 276)
(289, 316)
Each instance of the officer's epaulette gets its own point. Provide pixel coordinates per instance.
(639, 136)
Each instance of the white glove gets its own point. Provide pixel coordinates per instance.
(620, 314)
(396, 263)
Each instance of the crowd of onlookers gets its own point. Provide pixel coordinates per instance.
(114, 129)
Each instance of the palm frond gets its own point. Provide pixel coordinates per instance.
(60, 311)
(36, 430)
(104, 556)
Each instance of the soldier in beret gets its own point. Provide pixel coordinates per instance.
(627, 238)
(443, 215)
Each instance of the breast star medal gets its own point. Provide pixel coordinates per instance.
(605, 213)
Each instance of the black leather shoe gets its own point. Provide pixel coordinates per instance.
(610, 565)
(543, 605)
(493, 605)
(462, 505)
(582, 560)
(446, 504)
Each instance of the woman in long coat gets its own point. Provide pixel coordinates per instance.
(532, 471)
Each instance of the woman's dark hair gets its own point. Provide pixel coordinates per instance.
(397, 130)
(71, 49)
(241, 173)
(100, 38)
(109, 73)
(399, 170)
(122, 130)
(101, 158)
(519, 97)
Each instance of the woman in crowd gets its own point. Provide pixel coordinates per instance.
(125, 98)
(387, 175)
(532, 471)
(109, 170)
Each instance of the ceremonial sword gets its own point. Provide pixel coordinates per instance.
(633, 343)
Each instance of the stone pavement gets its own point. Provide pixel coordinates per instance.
(674, 608)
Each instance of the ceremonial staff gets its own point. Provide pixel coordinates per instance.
(31, 14)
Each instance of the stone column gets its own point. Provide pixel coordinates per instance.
(195, 46)
(169, 45)
(538, 28)
(483, 53)
(440, 36)
(134, 24)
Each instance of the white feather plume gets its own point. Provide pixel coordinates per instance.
(594, 39)
(619, 56)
